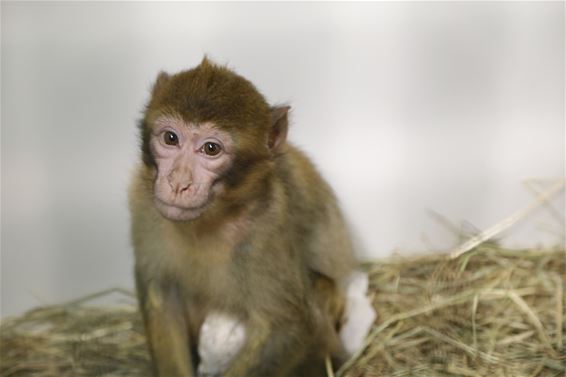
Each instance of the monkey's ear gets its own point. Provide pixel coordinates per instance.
(162, 78)
(279, 126)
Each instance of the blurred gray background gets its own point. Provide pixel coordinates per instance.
(405, 107)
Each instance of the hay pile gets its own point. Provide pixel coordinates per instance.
(490, 312)
(75, 339)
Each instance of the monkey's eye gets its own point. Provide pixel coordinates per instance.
(211, 149)
(170, 138)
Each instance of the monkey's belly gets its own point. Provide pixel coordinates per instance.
(221, 337)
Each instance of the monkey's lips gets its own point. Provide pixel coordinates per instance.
(175, 212)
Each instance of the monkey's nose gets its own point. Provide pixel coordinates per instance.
(184, 187)
(179, 182)
(181, 187)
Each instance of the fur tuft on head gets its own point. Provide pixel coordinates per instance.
(211, 93)
(205, 61)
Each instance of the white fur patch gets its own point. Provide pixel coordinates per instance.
(221, 337)
(360, 314)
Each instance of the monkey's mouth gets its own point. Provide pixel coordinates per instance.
(175, 212)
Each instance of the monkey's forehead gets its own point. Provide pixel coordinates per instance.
(214, 94)
(195, 120)
(176, 122)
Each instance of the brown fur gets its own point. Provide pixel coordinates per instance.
(271, 250)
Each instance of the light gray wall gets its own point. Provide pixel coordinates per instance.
(405, 107)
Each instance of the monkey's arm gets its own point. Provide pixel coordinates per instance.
(166, 328)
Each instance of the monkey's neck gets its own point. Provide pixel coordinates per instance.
(228, 221)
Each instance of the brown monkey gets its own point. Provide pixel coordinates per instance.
(228, 217)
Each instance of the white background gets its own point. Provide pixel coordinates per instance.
(405, 107)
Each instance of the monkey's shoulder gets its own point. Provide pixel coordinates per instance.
(303, 179)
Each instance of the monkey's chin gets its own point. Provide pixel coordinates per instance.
(175, 213)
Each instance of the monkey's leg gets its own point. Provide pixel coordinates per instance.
(270, 350)
(166, 330)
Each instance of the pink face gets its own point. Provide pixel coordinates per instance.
(190, 158)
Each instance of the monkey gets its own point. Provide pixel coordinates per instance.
(229, 217)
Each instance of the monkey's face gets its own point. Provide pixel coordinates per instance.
(190, 160)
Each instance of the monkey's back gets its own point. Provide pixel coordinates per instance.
(320, 229)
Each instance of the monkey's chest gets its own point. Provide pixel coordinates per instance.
(207, 272)
(212, 286)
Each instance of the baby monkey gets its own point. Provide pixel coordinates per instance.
(228, 218)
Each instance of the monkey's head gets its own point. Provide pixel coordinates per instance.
(209, 138)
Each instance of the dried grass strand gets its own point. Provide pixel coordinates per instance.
(508, 221)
